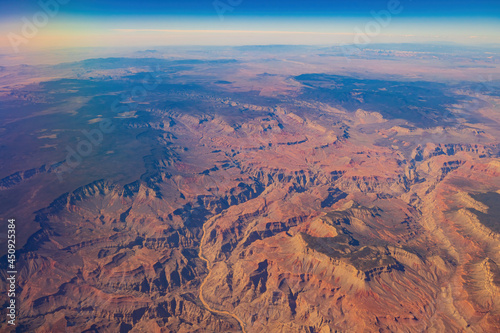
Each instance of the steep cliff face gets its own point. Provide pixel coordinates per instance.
(315, 273)
(282, 221)
(105, 261)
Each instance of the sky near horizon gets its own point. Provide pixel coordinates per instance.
(110, 23)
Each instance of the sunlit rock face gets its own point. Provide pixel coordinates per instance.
(238, 195)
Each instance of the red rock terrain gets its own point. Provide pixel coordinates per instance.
(297, 217)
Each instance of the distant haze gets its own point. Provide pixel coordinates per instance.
(151, 23)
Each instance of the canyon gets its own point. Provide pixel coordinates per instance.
(311, 203)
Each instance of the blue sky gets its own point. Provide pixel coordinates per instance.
(200, 22)
(413, 8)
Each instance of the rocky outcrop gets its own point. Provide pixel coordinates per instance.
(290, 216)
